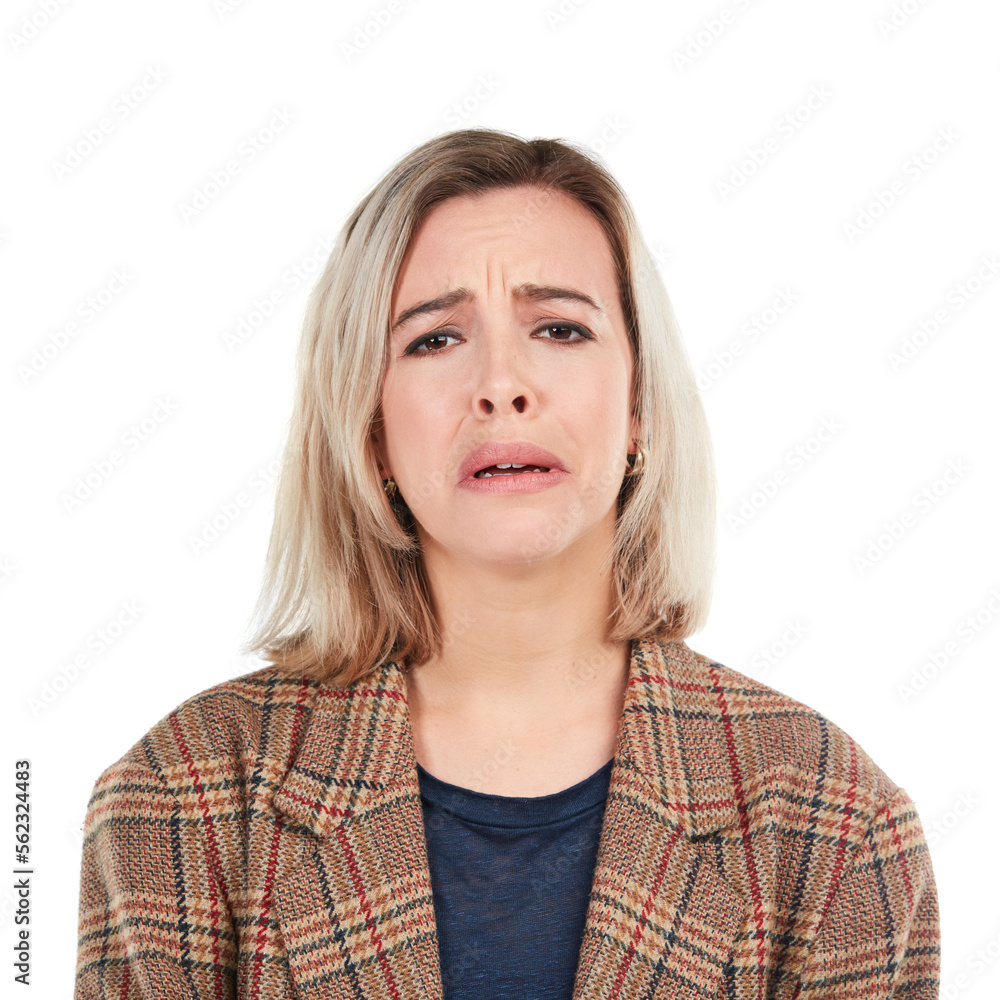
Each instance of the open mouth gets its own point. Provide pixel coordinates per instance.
(507, 469)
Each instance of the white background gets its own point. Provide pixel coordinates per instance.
(606, 74)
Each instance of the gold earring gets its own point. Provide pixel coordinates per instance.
(640, 460)
(389, 485)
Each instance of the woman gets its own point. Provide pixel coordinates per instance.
(484, 762)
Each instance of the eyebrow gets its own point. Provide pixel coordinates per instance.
(525, 292)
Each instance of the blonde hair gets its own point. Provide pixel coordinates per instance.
(343, 586)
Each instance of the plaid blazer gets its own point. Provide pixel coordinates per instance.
(265, 840)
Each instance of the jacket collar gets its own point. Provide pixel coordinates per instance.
(356, 907)
(359, 743)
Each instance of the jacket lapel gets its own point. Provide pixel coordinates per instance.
(356, 908)
(661, 921)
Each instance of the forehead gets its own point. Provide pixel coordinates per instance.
(529, 233)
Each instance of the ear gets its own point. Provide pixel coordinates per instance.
(377, 437)
(636, 433)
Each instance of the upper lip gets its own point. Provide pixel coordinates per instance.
(497, 452)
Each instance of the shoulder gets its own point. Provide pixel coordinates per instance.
(767, 738)
(234, 724)
(806, 826)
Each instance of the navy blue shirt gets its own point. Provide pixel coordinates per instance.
(511, 878)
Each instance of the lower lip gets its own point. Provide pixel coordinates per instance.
(521, 482)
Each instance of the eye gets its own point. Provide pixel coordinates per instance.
(422, 345)
(414, 348)
(585, 334)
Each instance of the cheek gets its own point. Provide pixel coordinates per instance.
(416, 428)
(600, 426)
(599, 405)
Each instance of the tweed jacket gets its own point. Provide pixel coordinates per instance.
(265, 841)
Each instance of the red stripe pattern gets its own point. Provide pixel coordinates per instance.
(265, 840)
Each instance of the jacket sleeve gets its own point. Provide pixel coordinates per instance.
(154, 921)
(879, 935)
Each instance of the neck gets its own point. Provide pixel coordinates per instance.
(523, 641)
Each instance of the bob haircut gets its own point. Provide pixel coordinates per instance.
(343, 588)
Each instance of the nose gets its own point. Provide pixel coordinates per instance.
(504, 386)
(518, 404)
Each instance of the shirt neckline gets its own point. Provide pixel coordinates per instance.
(509, 811)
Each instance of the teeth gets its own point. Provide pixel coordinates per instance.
(507, 465)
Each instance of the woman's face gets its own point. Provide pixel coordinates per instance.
(508, 357)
